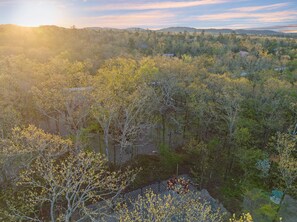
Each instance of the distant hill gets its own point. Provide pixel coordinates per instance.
(171, 29)
(223, 31)
(179, 29)
(217, 31)
(137, 29)
(101, 28)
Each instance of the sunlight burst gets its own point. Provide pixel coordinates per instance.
(38, 13)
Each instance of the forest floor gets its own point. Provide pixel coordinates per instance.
(154, 170)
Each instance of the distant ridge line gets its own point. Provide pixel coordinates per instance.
(176, 30)
(207, 30)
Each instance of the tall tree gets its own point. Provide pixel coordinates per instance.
(121, 99)
(65, 98)
(286, 146)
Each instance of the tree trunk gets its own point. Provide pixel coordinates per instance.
(77, 141)
(106, 144)
(68, 217)
(170, 139)
(58, 126)
(114, 155)
(229, 155)
(52, 210)
(100, 147)
(281, 202)
(163, 129)
(185, 126)
(122, 148)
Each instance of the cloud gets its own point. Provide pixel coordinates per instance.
(6, 2)
(147, 19)
(253, 14)
(258, 8)
(290, 28)
(155, 5)
(265, 17)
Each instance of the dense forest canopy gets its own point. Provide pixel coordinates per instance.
(220, 107)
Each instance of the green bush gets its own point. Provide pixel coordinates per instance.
(169, 158)
(257, 202)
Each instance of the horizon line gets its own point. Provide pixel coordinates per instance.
(272, 29)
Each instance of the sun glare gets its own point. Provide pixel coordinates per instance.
(38, 13)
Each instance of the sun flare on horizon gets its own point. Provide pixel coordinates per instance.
(38, 13)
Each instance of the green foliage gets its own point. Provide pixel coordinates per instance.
(257, 202)
(243, 137)
(269, 210)
(231, 194)
(285, 144)
(247, 159)
(169, 158)
(152, 169)
(218, 101)
(199, 154)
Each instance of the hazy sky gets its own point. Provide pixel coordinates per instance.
(236, 14)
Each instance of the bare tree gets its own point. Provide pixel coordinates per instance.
(132, 119)
(25, 145)
(63, 187)
(57, 99)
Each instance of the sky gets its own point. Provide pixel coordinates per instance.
(275, 15)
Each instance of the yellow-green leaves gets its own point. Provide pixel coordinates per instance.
(246, 217)
(287, 163)
(169, 207)
(59, 182)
